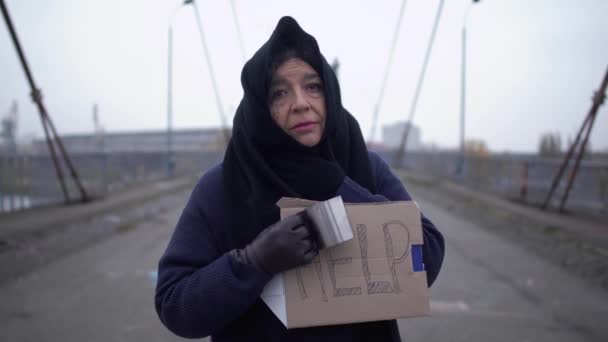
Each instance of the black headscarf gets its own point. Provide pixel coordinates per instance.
(263, 163)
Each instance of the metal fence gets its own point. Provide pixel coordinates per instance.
(28, 181)
(526, 178)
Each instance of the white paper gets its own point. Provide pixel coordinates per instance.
(274, 296)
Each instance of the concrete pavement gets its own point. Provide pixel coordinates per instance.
(33, 238)
(490, 288)
(101, 293)
(42, 220)
(574, 243)
(495, 289)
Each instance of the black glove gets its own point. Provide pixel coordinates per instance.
(284, 245)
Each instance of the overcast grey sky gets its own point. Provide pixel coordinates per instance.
(533, 65)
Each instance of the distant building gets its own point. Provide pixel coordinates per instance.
(392, 133)
(8, 131)
(205, 139)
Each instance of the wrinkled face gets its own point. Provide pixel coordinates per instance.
(297, 101)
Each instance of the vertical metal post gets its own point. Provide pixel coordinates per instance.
(12, 165)
(170, 161)
(603, 188)
(106, 183)
(27, 162)
(2, 178)
(21, 176)
(523, 190)
(461, 170)
(463, 99)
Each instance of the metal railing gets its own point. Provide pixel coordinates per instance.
(28, 181)
(525, 178)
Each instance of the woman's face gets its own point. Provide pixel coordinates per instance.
(297, 101)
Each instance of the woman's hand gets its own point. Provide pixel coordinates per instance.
(284, 245)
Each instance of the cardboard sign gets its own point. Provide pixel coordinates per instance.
(377, 275)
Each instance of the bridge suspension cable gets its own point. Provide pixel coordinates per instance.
(218, 100)
(402, 146)
(50, 132)
(238, 30)
(386, 72)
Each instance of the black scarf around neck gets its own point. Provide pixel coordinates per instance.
(259, 148)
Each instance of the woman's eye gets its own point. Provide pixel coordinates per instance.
(317, 87)
(276, 94)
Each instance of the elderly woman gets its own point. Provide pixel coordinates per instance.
(291, 137)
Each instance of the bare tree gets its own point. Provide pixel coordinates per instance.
(550, 145)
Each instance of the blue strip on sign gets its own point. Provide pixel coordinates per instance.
(153, 275)
(417, 262)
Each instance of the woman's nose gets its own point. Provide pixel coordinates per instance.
(300, 101)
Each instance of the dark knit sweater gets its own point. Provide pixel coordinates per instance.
(203, 291)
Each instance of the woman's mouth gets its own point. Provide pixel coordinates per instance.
(304, 126)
